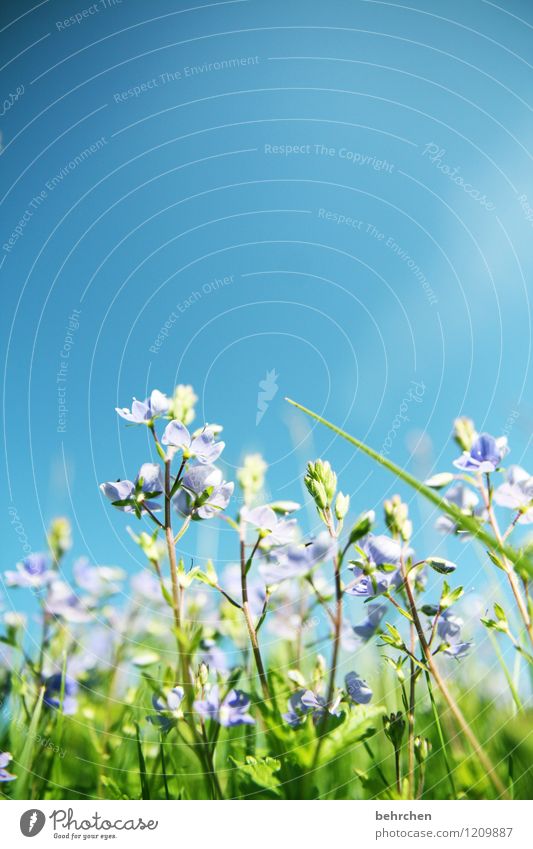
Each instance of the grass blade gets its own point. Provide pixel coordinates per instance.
(25, 760)
(466, 522)
(145, 789)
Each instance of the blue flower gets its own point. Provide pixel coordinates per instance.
(213, 656)
(517, 493)
(203, 493)
(52, 694)
(97, 580)
(467, 501)
(144, 412)
(273, 530)
(168, 708)
(449, 627)
(34, 572)
(132, 496)
(202, 446)
(458, 650)
(381, 549)
(449, 630)
(62, 601)
(304, 703)
(369, 626)
(295, 561)
(5, 758)
(485, 455)
(297, 711)
(378, 550)
(357, 689)
(232, 711)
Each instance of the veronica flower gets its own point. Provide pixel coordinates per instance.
(378, 550)
(517, 493)
(131, 497)
(314, 704)
(232, 711)
(304, 703)
(95, 649)
(458, 650)
(295, 561)
(484, 456)
(62, 601)
(168, 708)
(467, 501)
(213, 656)
(54, 686)
(144, 412)
(97, 580)
(203, 493)
(146, 586)
(33, 572)
(273, 530)
(5, 758)
(449, 630)
(203, 446)
(449, 627)
(357, 689)
(370, 625)
(297, 710)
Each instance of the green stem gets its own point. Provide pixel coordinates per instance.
(452, 704)
(398, 771)
(440, 733)
(251, 627)
(411, 719)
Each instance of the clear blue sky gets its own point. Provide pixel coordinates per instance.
(359, 172)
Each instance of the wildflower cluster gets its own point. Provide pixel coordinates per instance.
(183, 670)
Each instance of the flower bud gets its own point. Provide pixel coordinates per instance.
(396, 513)
(202, 676)
(422, 748)
(321, 483)
(319, 671)
(464, 433)
(394, 727)
(182, 404)
(59, 537)
(342, 505)
(251, 476)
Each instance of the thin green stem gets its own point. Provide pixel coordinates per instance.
(250, 623)
(452, 704)
(441, 735)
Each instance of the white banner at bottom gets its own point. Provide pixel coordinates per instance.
(262, 824)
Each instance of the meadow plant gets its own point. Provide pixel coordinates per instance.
(156, 710)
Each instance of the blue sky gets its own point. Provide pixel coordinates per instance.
(340, 193)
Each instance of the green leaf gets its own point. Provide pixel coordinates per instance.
(260, 772)
(362, 527)
(500, 612)
(450, 597)
(467, 523)
(25, 760)
(145, 788)
(496, 560)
